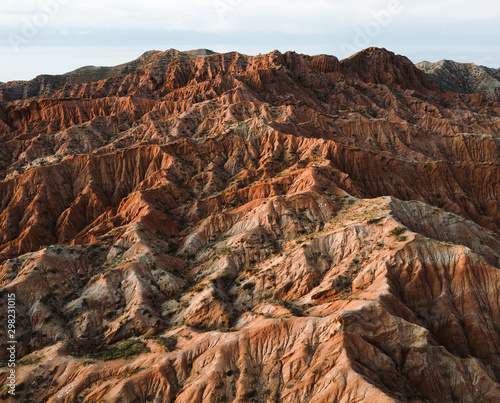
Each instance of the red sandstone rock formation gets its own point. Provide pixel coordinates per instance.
(197, 227)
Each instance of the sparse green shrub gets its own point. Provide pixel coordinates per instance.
(397, 231)
(30, 360)
(128, 373)
(125, 349)
(248, 286)
(294, 309)
(342, 283)
(198, 288)
(226, 250)
(226, 279)
(169, 342)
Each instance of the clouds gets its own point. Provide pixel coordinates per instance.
(452, 11)
(252, 26)
(113, 14)
(251, 16)
(290, 16)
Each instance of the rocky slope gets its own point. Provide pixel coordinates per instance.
(466, 78)
(198, 227)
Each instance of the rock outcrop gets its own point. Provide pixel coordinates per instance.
(201, 227)
(465, 78)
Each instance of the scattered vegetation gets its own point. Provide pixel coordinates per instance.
(169, 342)
(226, 279)
(124, 349)
(342, 283)
(294, 309)
(129, 373)
(198, 288)
(29, 360)
(248, 286)
(226, 250)
(397, 233)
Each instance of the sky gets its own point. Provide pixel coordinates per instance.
(57, 36)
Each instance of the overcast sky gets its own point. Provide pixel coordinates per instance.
(56, 36)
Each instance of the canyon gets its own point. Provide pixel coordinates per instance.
(204, 227)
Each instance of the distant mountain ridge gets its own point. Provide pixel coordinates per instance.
(465, 78)
(376, 65)
(46, 83)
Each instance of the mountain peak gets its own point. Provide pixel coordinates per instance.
(463, 77)
(381, 66)
(369, 52)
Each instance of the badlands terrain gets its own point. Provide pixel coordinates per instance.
(200, 227)
(464, 77)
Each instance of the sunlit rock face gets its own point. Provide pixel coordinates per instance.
(200, 227)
